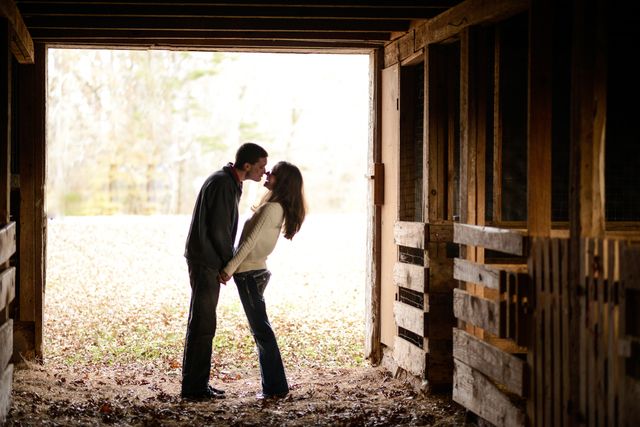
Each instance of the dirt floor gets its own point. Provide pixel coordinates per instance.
(141, 396)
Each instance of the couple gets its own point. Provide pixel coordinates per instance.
(212, 261)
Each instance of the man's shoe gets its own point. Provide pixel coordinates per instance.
(264, 396)
(203, 395)
(212, 389)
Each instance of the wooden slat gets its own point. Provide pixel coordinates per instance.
(7, 287)
(466, 14)
(538, 338)
(6, 343)
(6, 380)
(410, 276)
(409, 357)
(567, 362)
(491, 361)
(409, 234)
(556, 331)
(440, 232)
(478, 311)
(547, 334)
(7, 242)
(409, 317)
(21, 43)
(485, 274)
(612, 342)
(475, 392)
(498, 239)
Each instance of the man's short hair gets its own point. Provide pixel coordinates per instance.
(249, 153)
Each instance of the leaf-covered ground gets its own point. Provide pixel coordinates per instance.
(115, 316)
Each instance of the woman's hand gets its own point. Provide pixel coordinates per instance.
(223, 277)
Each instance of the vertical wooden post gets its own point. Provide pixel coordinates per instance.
(540, 118)
(32, 224)
(5, 122)
(586, 194)
(374, 224)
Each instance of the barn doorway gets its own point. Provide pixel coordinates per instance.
(132, 135)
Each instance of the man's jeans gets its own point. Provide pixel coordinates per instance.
(251, 285)
(196, 363)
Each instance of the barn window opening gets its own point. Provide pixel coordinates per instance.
(131, 137)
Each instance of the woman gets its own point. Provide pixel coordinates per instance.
(282, 209)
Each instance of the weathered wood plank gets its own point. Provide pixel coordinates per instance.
(481, 274)
(6, 343)
(475, 392)
(6, 381)
(410, 276)
(410, 234)
(478, 311)
(491, 361)
(21, 42)
(471, 12)
(498, 239)
(409, 357)
(372, 347)
(7, 287)
(409, 317)
(7, 242)
(440, 232)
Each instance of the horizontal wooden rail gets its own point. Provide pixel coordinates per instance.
(418, 234)
(6, 343)
(489, 275)
(473, 390)
(499, 239)
(496, 364)
(409, 357)
(21, 42)
(7, 242)
(7, 287)
(481, 312)
(410, 276)
(409, 317)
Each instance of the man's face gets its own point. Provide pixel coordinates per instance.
(256, 170)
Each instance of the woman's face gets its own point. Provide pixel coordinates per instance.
(270, 182)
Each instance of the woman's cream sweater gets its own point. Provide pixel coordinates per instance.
(258, 238)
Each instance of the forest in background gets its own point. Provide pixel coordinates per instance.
(137, 132)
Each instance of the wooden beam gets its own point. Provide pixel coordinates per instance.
(475, 392)
(409, 357)
(478, 311)
(373, 349)
(496, 364)
(31, 128)
(7, 242)
(227, 10)
(540, 118)
(7, 287)
(410, 276)
(409, 317)
(410, 234)
(5, 122)
(6, 343)
(207, 24)
(21, 43)
(6, 381)
(489, 275)
(499, 239)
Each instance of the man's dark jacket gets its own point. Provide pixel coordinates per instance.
(215, 220)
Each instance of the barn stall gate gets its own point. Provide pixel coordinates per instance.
(520, 336)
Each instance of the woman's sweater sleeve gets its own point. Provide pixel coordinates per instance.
(265, 216)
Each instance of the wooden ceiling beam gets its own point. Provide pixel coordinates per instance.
(51, 35)
(21, 42)
(174, 10)
(207, 24)
(256, 45)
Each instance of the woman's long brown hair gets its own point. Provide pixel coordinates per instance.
(289, 192)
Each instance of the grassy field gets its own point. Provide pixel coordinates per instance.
(117, 293)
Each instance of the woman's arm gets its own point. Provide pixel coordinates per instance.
(264, 217)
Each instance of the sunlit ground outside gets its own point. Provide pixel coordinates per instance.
(117, 287)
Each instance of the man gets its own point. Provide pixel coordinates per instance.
(209, 247)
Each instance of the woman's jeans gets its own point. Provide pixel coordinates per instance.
(251, 286)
